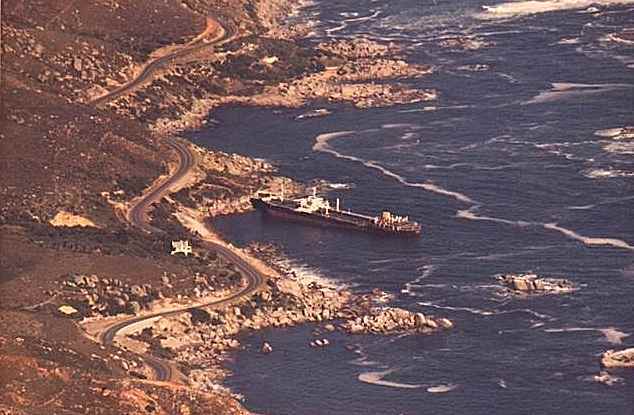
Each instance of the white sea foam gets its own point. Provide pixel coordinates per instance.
(614, 37)
(617, 243)
(341, 186)
(346, 22)
(609, 132)
(442, 388)
(589, 241)
(625, 147)
(332, 30)
(606, 173)
(363, 361)
(401, 125)
(467, 309)
(562, 90)
(480, 312)
(308, 274)
(435, 108)
(524, 8)
(603, 202)
(427, 270)
(376, 378)
(508, 77)
(321, 144)
(569, 41)
(375, 14)
(612, 334)
(468, 214)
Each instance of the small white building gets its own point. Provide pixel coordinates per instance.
(181, 247)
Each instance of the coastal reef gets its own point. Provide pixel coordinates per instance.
(534, 284)
(200, 340)
(618, 358)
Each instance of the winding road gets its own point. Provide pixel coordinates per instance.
(138, 216)
(222, 36)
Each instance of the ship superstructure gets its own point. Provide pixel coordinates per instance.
(317, 210)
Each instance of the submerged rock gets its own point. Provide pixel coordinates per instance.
(618, 358)
(607, 379)
(319, 343)
(532, 283)
(266, 348)
(329, 327)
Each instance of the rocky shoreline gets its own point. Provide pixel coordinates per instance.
(351, 72)
(91, 269)
(201, 341)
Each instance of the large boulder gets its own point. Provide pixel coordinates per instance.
(290, 287)
(620, 358)
(390, 320)
(266, 348)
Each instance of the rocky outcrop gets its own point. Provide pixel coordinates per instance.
(621, 358)
(464, 43)
(266, 348)
(532, 283)
(370, 69)
(390, 320)
(357, 49)
(95, 296)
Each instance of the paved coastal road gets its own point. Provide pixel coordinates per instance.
(138, 217)
(254, 280)
(222, 36)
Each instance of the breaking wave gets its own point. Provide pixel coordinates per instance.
(481, 312)
(563, 90)
(306, 273)
(586, 240)
(611, 334)
(524, 8)
(376, 378)
(321, 145)
(427, 270)
(604, 202)
(606, 173)
(442, 388)
(589, 241)
(620, 147)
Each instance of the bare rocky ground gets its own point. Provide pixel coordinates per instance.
(70, 169)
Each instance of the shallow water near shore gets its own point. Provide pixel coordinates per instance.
(505, 173)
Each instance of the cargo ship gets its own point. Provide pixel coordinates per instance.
(317, 210)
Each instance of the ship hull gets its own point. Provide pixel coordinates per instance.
(366, 225)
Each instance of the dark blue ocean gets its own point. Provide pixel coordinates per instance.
(510, 170)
